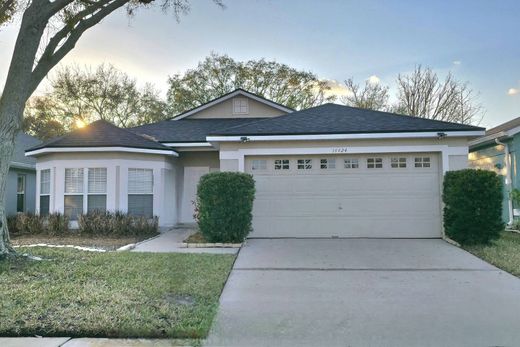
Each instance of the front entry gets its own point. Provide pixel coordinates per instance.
(192, 176)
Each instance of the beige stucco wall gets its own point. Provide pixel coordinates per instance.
(225, 110)
(199, 158)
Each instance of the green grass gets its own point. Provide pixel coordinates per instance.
(76, 294)
(504, 253)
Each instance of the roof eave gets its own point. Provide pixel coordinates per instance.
(49, 150)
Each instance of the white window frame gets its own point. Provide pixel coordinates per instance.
(259, 164)
(422, 162)
(149, 192)
(42, 193)
(282, 164)
(96, 193)
(304, 164)
(351, 163)
(81, 193)
(327, 163)
(240, 105)
(398, 162)
(374, 163)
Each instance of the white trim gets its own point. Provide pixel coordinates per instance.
(18, 165)
(99, 149)
(187, 144)
(229, 96)
(444, 150)
(235, 138)
(492, 137)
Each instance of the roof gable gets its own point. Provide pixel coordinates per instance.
(271, 108)
(23, 142)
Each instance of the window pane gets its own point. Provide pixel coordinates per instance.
(20, 202)
(281, 164)
(140, 205)
(97, 180)
(73, 206)
(73, 180)
(140, 181)
(45, 181)
(259, 165)
(20, 187)
(96, 203)
(44, 205)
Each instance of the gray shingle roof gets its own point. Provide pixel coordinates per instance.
(339, 119)
(101, 134)
(189, 130)
(23, 142)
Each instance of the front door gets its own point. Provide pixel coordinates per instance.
(192, 176)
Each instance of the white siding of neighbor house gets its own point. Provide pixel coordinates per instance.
(117, 165)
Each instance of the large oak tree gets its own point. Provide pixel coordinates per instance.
(220, 74)
(48, 31)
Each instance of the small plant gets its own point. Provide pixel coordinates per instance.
(515, 197)
(28, 223)
(57, 224)
(224, 206)
(473, 206)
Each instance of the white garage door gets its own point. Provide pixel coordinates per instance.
(376, 195)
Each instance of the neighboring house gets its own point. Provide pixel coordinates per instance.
(499, 150)
(21, 179)
(330, 170)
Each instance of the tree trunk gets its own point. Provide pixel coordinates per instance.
(6, 151)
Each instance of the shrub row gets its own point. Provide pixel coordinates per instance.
(117, 224)
(32, 224)
(97, 223)
(224, 206)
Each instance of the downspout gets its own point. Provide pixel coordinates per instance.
(508, 180)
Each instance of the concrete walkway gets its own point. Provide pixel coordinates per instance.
(365, 292)
(170, 241)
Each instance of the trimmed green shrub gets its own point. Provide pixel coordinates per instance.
(224, 206)
(473, 206)
(116, 224)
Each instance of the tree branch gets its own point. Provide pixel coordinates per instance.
(47, 62)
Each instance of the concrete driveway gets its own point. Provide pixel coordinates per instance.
(365, 292)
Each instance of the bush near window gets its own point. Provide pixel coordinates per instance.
(473, 206)
(224, 206)
(116, 224)
(33, 224)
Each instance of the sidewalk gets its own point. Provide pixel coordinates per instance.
(91, 342)
(170, 241)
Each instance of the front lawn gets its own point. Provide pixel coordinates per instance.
(504, 253)
(121, 294)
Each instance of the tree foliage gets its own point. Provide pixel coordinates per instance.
(373, 96)
(220, 74)
(421, 93)
(44, 119)
(106, 93)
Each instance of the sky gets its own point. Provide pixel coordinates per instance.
(478, 41)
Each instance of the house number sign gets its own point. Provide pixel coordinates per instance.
(340, 150)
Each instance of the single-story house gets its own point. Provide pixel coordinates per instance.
(498, 150)
(326, 171)
(21, 179)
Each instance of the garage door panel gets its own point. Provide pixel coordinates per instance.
(308, 207)
(338, 201)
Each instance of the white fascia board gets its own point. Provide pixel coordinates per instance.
(235, 138)
(187, 144)
(232, 95)
(18, 165)
(490, 138)
(99, 149)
